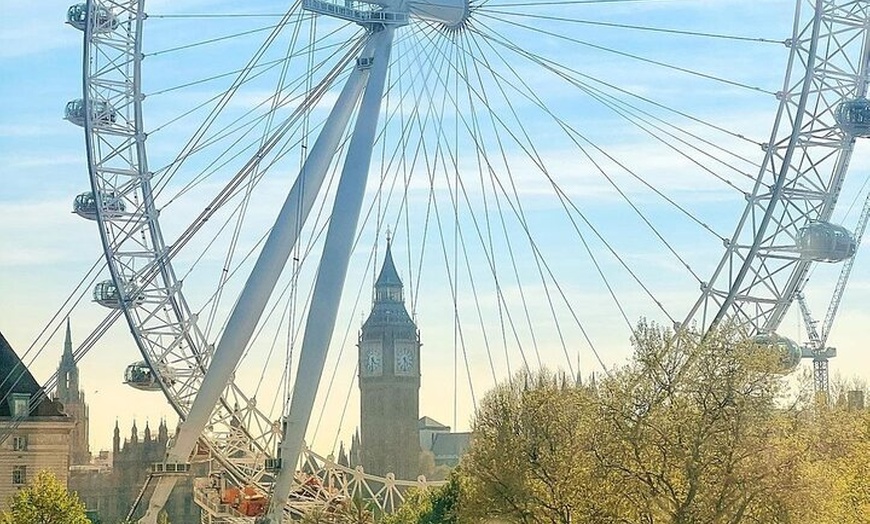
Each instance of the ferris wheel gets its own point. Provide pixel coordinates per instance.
(549, 171)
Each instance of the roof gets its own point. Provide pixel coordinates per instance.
(431, 423)
(16, 378)
(388, 309)
(389, 277)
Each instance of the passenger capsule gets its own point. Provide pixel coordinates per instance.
(826, 242)
(85, 205)
(789, 350)
(139, 375)
(106, 294)
(101, 112)
(853, 116)
(104, 20)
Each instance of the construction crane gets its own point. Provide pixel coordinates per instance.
(816, 348)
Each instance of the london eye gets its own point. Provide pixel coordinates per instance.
(548, 172)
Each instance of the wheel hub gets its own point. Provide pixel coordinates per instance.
(450, 13)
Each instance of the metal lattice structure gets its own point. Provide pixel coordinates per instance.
(804, 165)
(166, 330)
(320, 483)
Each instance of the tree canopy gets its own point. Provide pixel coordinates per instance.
(692, 430)
(432, 506)
(45, 501)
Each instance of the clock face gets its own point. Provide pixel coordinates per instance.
(404, 359)
(372, 361)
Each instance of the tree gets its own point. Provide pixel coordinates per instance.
(355, 511)
(45, 501)
(836, 467)
(427, 467)
(530, 459)
(693, 429)
(317, 515)
(439, 505)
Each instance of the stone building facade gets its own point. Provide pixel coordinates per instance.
(39, 430)
(445, 446)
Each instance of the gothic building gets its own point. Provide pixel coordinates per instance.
(389, 381)
(109, 494)
(72, 398)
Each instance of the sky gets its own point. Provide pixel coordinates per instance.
(549, 299)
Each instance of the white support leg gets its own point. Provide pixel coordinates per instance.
(261, 282)
(158, 498)
(331, 273)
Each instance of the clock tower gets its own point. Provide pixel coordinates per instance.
(389, 381)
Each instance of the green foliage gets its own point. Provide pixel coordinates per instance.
(45, 501)
(356, 511)
(416, 505)
(428, 468)
(315, 516)
(528, 461)
(835, 467)
(692, 430)
(433, 506)
(352, 511)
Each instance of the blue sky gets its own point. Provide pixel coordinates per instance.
(47, 249)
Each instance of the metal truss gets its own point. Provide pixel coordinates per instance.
(320, 483)
(805, 163)
(163, 326)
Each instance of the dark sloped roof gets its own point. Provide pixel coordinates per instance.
(391, 314)
(430, 423)
(16, 378)
(389, 277)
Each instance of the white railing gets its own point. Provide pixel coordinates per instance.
(356, 11)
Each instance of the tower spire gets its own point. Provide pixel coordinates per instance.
(69, 393)
(388, 286)
(67, 343)
(389, 381)
(116, 439)
(68, 371)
